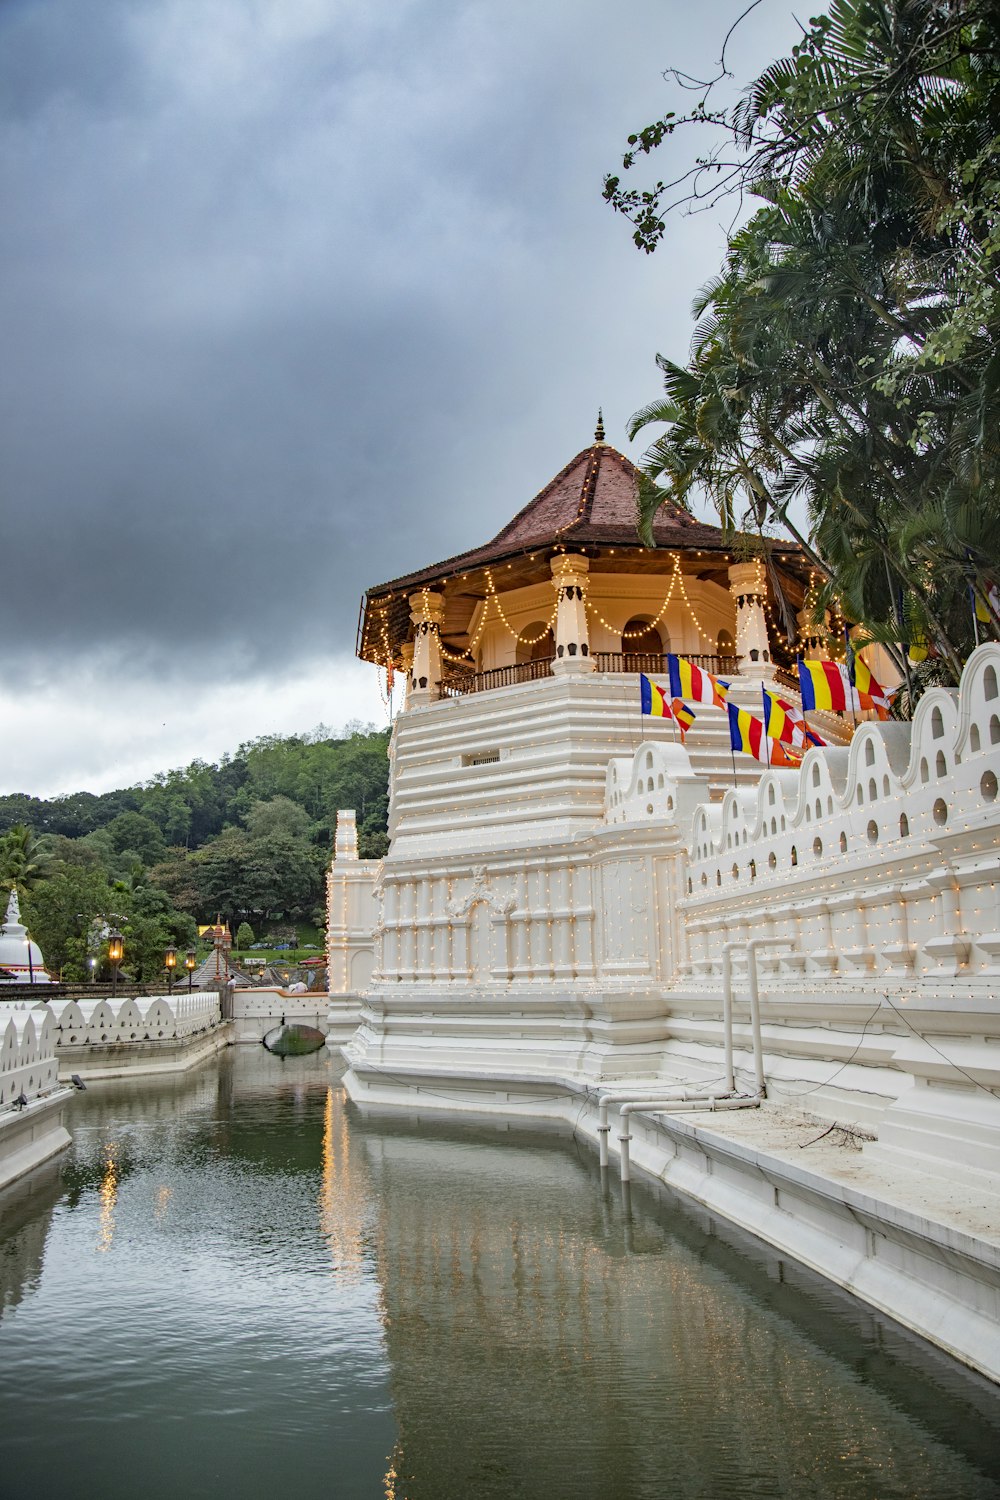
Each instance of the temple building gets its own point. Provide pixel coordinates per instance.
(580, 912)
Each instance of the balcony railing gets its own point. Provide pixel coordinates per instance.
(457, 683)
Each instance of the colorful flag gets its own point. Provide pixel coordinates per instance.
(689, 681)
(823, 684)
(783, 721)
(683, 716)
(869, 693)
(654, 699)
(747, 733)
(782, 756)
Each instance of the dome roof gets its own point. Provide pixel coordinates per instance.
(19, 956)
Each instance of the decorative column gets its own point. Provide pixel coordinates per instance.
(748, 586)
(569, 579)
(427, 614)
(813, 638)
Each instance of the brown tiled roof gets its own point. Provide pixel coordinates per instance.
(590, 504)
(592, 500)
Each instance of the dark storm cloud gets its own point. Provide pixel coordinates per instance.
(298, 295)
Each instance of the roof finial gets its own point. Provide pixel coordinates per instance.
(599, 429)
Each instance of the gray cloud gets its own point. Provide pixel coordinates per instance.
(297, 295)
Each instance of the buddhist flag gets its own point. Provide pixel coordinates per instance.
(783, 721)
(823, 684)
(747, 733)
(654, 699)
(683, 716)
(689, 681)
(869, 693)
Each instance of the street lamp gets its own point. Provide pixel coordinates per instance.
(189, 963)
(170, 964)
(116, 952)
(92, 966)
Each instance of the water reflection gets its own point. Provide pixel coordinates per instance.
(304, 1300)
(108, 1194)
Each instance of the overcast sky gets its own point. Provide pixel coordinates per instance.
(297, 296)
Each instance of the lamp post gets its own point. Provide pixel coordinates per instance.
(116, 952)
(170, 964)
(189, 964)
(92, 966)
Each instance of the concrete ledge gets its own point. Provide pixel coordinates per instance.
(129, 1059)
(32, 1135)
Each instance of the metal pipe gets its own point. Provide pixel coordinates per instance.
(727, 1012)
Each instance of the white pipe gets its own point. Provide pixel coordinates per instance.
(672, 1106)
(727, 1012)
(758, 1047)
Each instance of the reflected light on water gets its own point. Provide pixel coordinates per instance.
(108, 1194)
(162, 1202)
(340, 1199)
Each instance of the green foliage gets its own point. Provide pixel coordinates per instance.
(250, 838)
(849, 351)
(244, 937)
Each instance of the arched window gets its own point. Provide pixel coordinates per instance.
(643, 645)
(535, 643)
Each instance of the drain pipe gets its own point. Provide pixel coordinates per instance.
(672, 1106)
(758, 1048)
(636, 1096)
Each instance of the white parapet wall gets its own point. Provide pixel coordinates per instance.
(105, 1038)
(31, 1100)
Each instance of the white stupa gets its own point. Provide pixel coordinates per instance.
(20, 958)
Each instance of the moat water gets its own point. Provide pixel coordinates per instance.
(237, 1284)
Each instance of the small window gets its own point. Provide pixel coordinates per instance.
(774, 825)
(988, 787)
(704, 878)
(940, 812)
(659, 781)
(819, 809)
(872, 791)
(843, 843)
(904, 826)
(772, 861)
(937, 725)
(860, 796)
(989, 684)
(815, 775)
(885, 786)
(795, 856)
(974, 738)
(809, 814)
(940, 765)
(670, 804)
(873, 832)
(753, 869)
(829, 805)
(925, 775)
(736, 872)
(770, 796)
(718, 877)
(869, 754)
(649, 760)
(817, 848)
(995, 730)
(649, 808)
(690, 886)
(481, 758)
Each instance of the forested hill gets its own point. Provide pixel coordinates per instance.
(249, 837)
